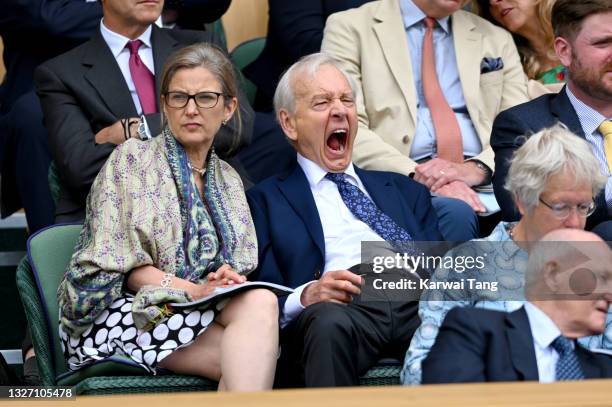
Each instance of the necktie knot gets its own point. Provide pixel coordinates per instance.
(133, 46)
(606, 128)
(335, 177)
(562, 345)
(430, 23)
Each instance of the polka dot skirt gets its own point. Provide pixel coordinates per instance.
(114, 333)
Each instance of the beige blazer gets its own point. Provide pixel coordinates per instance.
(370, 42)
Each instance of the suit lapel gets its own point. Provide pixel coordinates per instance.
(468, 46)
(163, 46)
(106, 78)
(520, 341)
(296, 190)
(562, 109)
(398, 56)
(589, 366)
(384, 195)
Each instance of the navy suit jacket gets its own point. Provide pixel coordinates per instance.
(526, 119)
(289, 231)
(478, 345)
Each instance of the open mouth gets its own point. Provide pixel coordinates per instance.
(337, 140)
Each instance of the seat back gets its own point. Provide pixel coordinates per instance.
(243, 55)
(49, 252)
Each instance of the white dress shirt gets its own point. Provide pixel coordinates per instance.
(116, 43)
(342, 231)
(544, 332)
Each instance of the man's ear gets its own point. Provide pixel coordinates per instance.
(519, 205)
(287, 123)
(563, 49)
(552, 276)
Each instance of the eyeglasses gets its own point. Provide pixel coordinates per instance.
(562, 210)
(203, 100)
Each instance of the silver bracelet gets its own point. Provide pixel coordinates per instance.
(167, 280)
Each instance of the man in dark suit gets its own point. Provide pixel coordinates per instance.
(568, 291)
(295, 29)
(310, 224)
(101, 93)
(32, 32)
(583, 105)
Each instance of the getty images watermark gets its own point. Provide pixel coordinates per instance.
(475, 271)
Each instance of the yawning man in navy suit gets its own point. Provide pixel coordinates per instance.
(310, 225)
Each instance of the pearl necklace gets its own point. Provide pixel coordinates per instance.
(200, 171)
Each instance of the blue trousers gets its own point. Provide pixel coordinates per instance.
(457, 220)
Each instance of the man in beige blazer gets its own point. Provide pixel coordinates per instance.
(479, 70)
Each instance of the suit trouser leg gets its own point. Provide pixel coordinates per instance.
(334, 344)
(31, 159)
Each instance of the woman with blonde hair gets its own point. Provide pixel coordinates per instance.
(529, 21)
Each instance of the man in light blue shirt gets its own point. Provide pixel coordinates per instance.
(477, 66)
(584, 46)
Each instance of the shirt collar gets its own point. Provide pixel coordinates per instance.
(315, 174)
(589, 118)
(543, 329)
(412, 14)
(117, 42)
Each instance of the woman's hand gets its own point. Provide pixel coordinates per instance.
(226, 275)
(206, 288)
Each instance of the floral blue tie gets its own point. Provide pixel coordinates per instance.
(568, 366)
(366, 211)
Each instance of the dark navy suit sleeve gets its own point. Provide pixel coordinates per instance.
(457, 356)
(506, 138)
(267, 268)
(69, 19)
(425, 214)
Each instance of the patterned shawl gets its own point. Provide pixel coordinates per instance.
(144, 209)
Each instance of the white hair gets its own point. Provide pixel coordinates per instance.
(306, 67)
(551, 151)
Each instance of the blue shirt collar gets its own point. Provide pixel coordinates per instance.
(589, 118)
(412, 14)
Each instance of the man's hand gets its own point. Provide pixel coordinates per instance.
(437, 172)
(460, 190)
(337, 286)
(115, 133)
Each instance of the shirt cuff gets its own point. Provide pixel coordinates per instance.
(146, 127)
(293, 305)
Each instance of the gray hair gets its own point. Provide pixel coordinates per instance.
(307, 67)
(549, 152)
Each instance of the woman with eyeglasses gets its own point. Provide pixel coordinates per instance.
(167, 221)
(553, 178)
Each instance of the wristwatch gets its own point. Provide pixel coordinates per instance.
(142, 129)
(485, 169)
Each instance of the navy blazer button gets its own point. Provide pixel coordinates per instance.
(317, 274)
